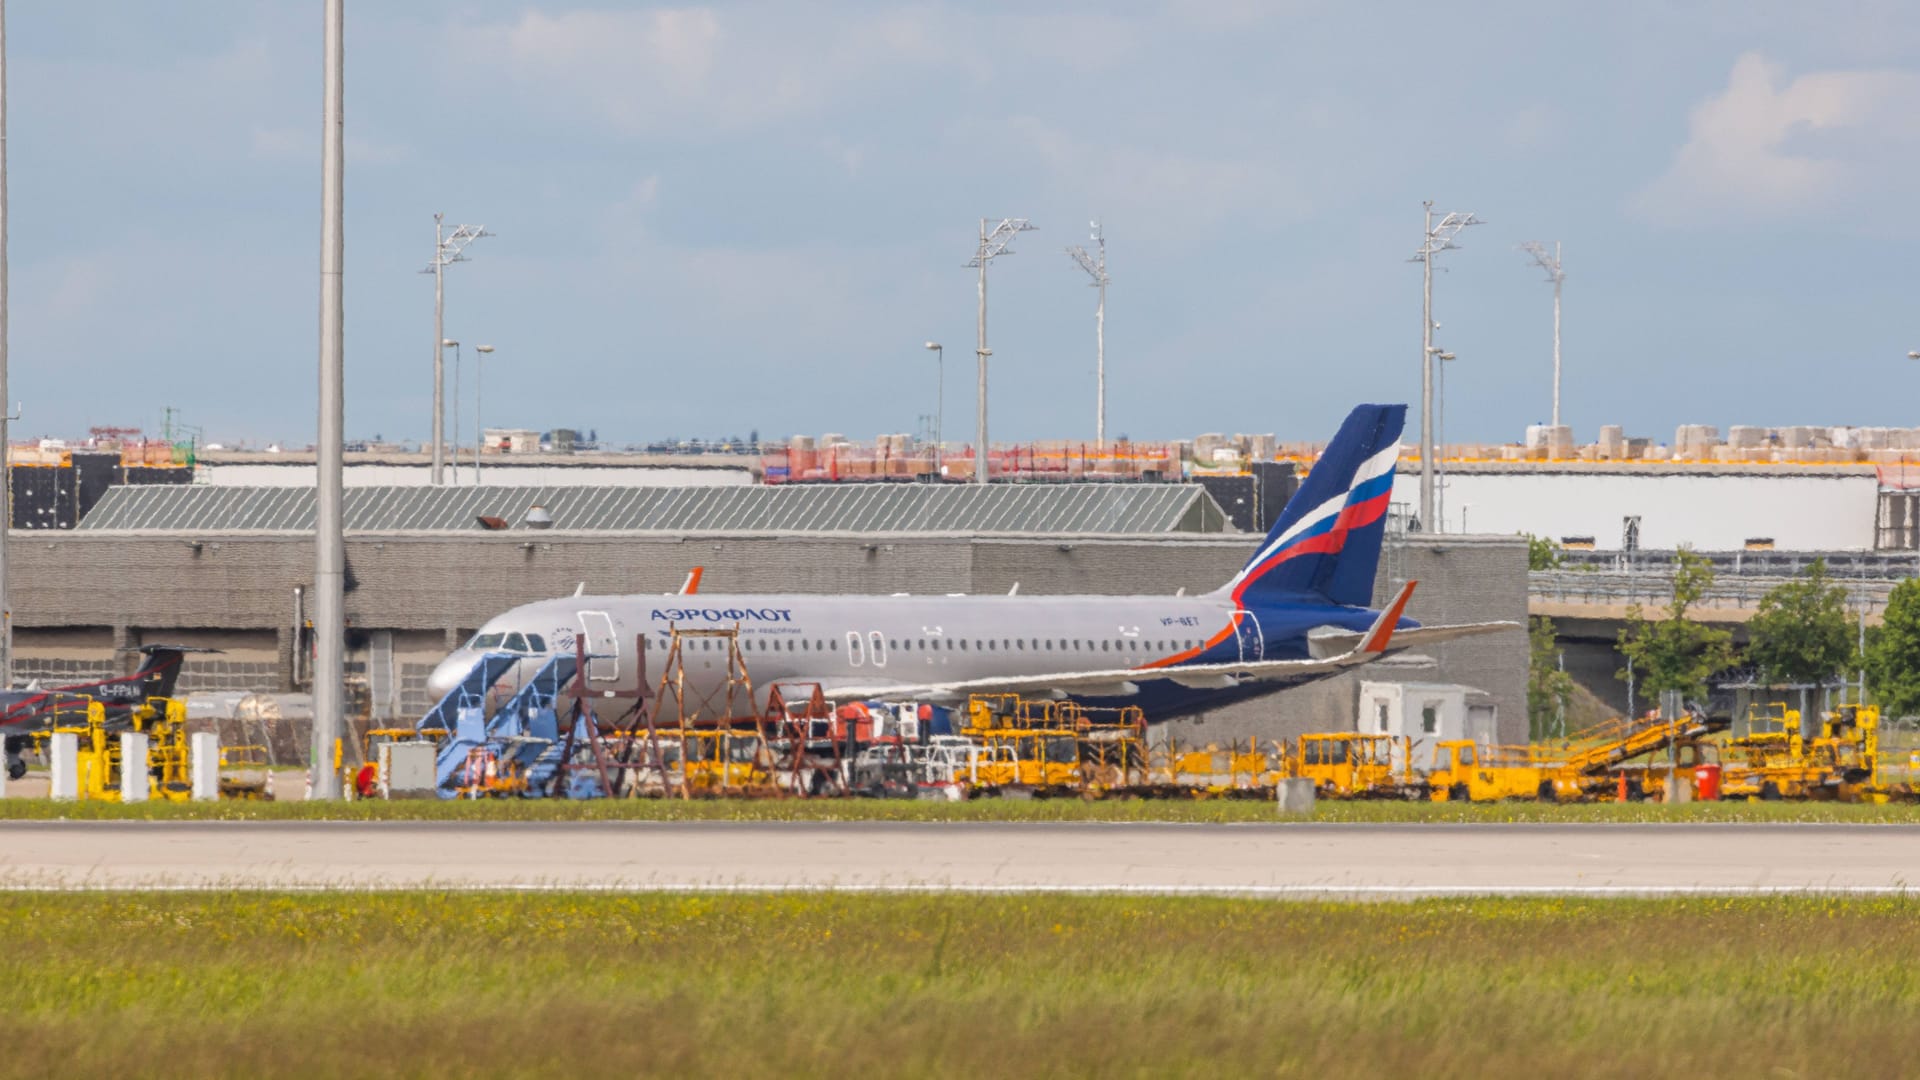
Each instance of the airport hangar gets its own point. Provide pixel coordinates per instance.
(230, 568)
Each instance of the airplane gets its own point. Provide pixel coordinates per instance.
(1296, 612)
(37, 707)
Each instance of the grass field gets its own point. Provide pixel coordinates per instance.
(565, 985)
(1044, 810)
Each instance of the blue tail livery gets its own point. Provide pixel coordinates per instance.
(1326, 543)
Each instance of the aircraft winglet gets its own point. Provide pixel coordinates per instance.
(1382, 631)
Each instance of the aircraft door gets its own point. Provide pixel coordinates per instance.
(1246, 631)
(603, 646)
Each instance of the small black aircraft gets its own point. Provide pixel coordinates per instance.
(37, 708)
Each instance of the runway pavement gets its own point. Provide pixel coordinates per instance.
(1300, 860)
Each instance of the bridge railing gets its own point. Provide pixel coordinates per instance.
(1655, 589)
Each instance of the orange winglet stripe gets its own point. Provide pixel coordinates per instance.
(1378, 639)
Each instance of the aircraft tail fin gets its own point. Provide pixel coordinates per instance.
(1326, 542)
(160, 673)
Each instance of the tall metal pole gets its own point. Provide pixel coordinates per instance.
(1096, 268)
(1426, 372)
(480, 354)
(993, 244)
(981, 353)
(330, 548)
(1557, 279)
(1100, 358)
(6, 459)
(939, 401)
(1436, 239)
(439, 350)
(1556, 273)
(456, 412)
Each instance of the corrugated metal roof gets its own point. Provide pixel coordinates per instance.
(1000, 508)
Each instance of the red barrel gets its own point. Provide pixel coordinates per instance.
(1706, 782)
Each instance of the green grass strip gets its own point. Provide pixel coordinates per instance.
(254, 984)
(1038, 810)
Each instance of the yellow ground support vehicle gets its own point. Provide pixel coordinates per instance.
(1463, 770)
(163, 721)
(1348, 765)
(725, 761)
(1774, 760)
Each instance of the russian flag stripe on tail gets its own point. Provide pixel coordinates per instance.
(1326, 543)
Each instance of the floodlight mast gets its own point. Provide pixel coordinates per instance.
(1556, 273)
(993, 244)
(1096, 268)
(448, 248)
(1437, 238)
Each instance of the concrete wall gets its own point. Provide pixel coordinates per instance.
(80, 596)
(1807, 509)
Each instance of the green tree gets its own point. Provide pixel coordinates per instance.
(1549, 689)
(1542, 553)
(1801, 633)
(1676, 653)
(1893, 654)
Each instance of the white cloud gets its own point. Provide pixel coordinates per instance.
(694, 68)
(1762, 147)
(1120, 178)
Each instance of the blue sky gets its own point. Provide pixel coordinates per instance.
(713, 219)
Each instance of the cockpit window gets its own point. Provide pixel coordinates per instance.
(536, 643)
(515, 643)
(485, 641)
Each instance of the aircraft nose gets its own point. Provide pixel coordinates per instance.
(447, 674)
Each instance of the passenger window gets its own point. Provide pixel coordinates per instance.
(1105, 645)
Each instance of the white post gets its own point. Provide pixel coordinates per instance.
(203, 763)
(439, 350)
(981, 353)
(1426, 374)
(63, 751)
(330, 543)
(1556, 333)
(134, 780)
(6, 468)
(1100, 353)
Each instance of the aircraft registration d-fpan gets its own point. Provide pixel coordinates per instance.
(1279, 860)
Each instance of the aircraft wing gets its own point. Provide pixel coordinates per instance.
(1117, 682)
(1344, 641)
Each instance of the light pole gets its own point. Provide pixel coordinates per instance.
(939, 403)
(448, 248)
(329, 535)
(1440, 440)
(479, 397)
(1096, 267)
(992, 245)
(1437, 238)
(449, 343)
(1556, 274)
